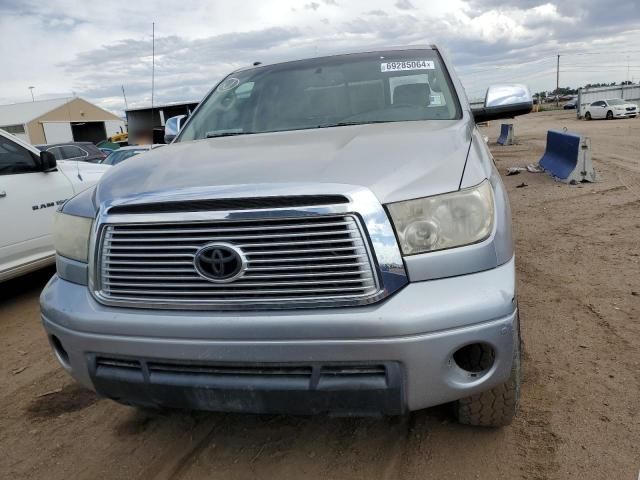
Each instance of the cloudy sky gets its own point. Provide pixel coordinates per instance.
(92, 48)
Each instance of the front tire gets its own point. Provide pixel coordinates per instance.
(496, 407)
(609, 115)
(587, 116)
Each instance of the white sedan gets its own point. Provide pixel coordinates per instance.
(610, 109)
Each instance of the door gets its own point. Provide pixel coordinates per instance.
(598, 109)
(93, 132)
(28, 200)
(57, 132)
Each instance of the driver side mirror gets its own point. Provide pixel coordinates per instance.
(172, 127)
(504, 101)
(48, 162)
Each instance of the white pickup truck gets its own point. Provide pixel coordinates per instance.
(32, 186)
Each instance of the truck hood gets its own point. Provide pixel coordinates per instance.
(396, 161)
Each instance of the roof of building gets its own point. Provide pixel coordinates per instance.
(25, 112)
(165, 105)
(20, 113)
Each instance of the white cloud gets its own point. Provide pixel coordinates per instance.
(405, 5)
(94, 48)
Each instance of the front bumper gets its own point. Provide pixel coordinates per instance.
(217, 361)
(625, 114)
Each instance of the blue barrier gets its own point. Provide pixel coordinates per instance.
(567, 157)
(506, 134)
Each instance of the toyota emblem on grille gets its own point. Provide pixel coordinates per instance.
(220, 262)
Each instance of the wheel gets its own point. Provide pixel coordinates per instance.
(587, 115)
(609, 115)
(496, 407)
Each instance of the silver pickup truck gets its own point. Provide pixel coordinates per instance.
(323, 236)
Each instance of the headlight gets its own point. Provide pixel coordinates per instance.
(71, 236)
(444, 221)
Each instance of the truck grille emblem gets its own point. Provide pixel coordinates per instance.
(220, 262)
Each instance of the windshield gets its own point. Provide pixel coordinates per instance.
(615, 101)
(391, 86)
(119, 155)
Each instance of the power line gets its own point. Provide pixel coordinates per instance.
(573, 65)
(619, 52)
(508, 66)
(581, 70)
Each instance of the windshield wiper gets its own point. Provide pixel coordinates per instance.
(225, 134)
(347, 124)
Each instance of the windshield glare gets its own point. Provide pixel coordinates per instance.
(391, 86)
(615, 102)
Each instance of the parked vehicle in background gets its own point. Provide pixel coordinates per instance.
(127, 152)
(610, 109)
(327, 235)
(572, 105)
(78, 151)
(110, 145)
(32, 186)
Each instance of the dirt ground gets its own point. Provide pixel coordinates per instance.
(578, 263)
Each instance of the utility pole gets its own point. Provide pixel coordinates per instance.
(558, 82)
(126, 105)
(153, 70)
(32, 97)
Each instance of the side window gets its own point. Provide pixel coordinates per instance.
(15, 159)
(71, 151)
(57, 152)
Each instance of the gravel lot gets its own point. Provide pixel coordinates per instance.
(578, 262)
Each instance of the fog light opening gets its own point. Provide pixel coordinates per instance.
(475, 359)
(60, 352)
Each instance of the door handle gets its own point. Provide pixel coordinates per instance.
(3, 194)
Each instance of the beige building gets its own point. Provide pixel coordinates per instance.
(59, 120)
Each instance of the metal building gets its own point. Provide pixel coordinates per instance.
(59, 120)
(586, 96)
(143, 124)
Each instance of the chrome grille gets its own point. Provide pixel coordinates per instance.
(289, 262)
